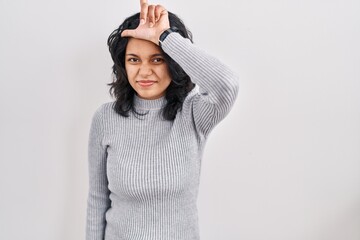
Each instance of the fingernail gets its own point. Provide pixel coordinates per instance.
(142, 21)
(151, 24)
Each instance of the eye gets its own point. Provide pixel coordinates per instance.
(133, 60)
(158, 60)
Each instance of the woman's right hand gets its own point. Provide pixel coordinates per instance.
(154, 20)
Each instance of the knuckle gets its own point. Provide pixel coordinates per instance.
(158, 9)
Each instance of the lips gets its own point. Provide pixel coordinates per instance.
(146, 83)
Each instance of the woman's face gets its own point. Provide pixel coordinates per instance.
(146, 69)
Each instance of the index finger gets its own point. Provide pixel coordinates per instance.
(143, 11)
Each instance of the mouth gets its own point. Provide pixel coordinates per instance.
(146, 83)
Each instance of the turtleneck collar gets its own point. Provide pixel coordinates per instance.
(145, 104)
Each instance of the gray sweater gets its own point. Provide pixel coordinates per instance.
(144, 174)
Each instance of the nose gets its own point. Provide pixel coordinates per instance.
(145, 70)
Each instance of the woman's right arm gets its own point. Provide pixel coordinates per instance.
(98, 196)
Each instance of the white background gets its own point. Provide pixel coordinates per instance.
(284, 164)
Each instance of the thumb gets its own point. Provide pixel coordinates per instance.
(128, 33)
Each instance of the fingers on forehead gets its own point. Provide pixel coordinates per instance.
(144, 6)
(144, 9)
(159, 8)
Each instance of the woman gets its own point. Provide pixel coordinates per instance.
(145, 148)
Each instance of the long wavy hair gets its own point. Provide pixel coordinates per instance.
(121, 89)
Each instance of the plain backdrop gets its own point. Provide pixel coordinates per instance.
(284, 164)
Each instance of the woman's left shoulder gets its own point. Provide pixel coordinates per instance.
(189, 100)
(190, 96)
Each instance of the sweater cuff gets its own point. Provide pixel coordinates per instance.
(174, 41)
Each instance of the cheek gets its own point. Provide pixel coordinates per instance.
(165, 74)
(130, 71)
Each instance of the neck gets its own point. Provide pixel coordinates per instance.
(149, 104)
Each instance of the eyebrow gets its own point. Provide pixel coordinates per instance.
(153, 55)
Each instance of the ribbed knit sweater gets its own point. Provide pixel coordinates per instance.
(144, 174)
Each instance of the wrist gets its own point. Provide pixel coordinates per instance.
(165, 33)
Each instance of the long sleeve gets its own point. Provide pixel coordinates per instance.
(98, 196)
(218, 84)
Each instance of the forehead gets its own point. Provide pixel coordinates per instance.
(142, 47)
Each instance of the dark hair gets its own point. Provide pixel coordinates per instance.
(120, 88)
